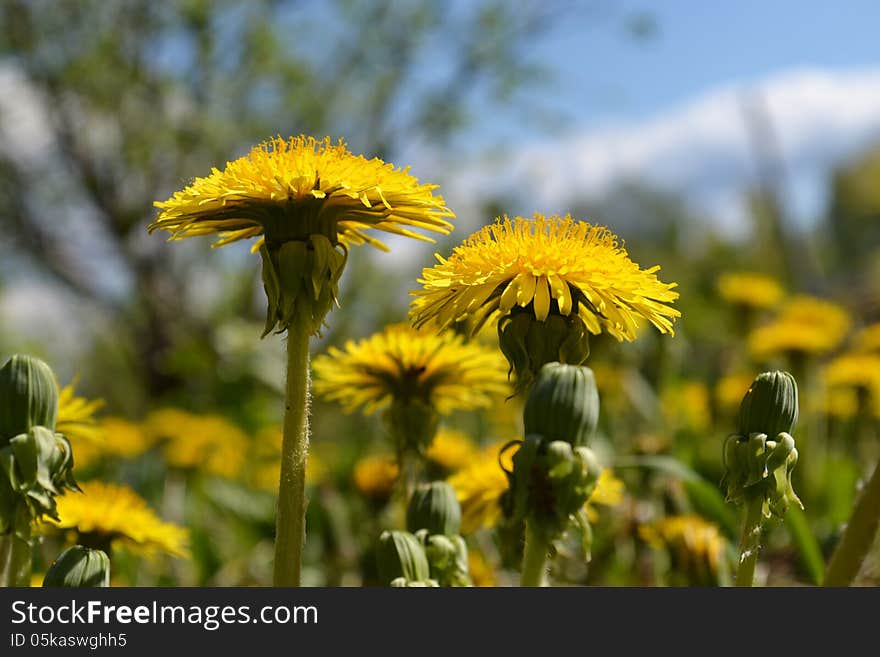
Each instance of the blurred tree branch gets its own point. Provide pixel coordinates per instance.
(139, 96)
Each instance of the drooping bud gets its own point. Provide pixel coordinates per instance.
(529, 343)
(79, 567)
(401, 556)
(563, 404)
(434, 507)
(770, 406)
(28, 396)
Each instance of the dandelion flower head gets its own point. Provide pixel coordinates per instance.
(401, 363)
(291, 187)
(106, 515)
(546, 265)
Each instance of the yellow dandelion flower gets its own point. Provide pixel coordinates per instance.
(730, 390)
(109, 515)
(868, 339)
(451, 450)
(480, 486)
(805, 325)
(304, 185)
(608, 492)
(840, 403)
(401, 363)
(481, 572)
(687, 406)
(697, 545)
(208, 443)
(76, 416)
(854, 370)
(750, 289)
(375, 476)
(546, 265)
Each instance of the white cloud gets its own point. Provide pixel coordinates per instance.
(700, 148)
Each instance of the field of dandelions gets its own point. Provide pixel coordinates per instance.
(551, 410)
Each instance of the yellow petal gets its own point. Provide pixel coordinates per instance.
(542, 299)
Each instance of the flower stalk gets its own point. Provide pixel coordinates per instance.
(290, 530)
(858, 537)
(534, 559)
(750, 542)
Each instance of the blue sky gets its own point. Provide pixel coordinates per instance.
(668, 111)
(601, 71)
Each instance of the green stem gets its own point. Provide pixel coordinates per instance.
(290, 530)
(858, 536)
(16, 551)
(750, 542)
(534, 559)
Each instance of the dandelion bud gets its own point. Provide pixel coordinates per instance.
(435, 508)
(401, 556)
(758, 466)
(770, 406)
(28, 396)
(447, 559)
(78, 567)
(563, 404)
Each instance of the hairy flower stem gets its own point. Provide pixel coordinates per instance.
(16, 551)
(290, 529)
(750, 542)
(858, 537)
(534, 559)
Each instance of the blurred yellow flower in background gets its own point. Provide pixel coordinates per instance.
(751, 289)
(548, 265)
(868, 339)
(403, 363)
(208, 443)
(730, 390)
(109, 515)
(481, 572)
(479, 488)
(451, 450)
(608, 492)
(302, 185)
(805, 325)
(686, 405)
(375, 476)
(697, 545)
(853, 370)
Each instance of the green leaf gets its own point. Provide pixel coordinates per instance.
(807, 546)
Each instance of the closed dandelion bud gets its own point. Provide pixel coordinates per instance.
(770, 406)
(401, 556)
(28, 396)
(434, 507)
(563, 404)
(79, 567)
